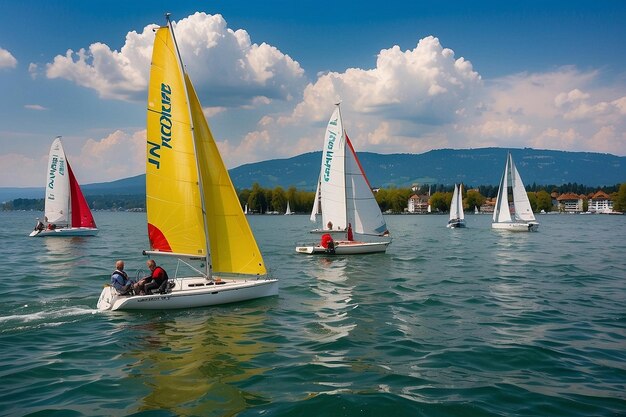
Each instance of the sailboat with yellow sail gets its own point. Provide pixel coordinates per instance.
(192, 208)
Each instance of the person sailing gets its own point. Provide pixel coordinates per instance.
(349, 234)
(40, 226)
(157, 277)
(120, 281)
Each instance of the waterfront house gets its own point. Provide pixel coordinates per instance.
(570, 203)
(418, 204)
(600, 202)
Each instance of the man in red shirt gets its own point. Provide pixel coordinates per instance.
(326, 238)
(157, 277)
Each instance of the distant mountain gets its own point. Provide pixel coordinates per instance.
(445, 166)
(127, 186)
(473, 167)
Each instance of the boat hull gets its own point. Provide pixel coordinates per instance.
(455, 224)
(190, 293)
(65, 232)
(345, 248)
(516, 226)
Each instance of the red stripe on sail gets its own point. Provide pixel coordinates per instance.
(357, 161)
(158, 241)
(81, 214)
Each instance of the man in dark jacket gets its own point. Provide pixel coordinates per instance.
(157, 277)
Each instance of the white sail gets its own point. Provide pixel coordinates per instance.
(523, 211)
(501, 212)
(288, 212)
(57, 205)
(316, 203)
(363, 211)
(454, 205)
(460, 203)
(332, 178)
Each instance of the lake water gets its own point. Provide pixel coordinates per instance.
(467, 322)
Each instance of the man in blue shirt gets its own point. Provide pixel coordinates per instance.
(120, 281)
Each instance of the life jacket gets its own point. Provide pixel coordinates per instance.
(326, 238)
(164, 277)
(123, 274)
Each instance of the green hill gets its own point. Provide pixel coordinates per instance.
(473, 167)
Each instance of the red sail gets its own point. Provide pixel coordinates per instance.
(81, 215)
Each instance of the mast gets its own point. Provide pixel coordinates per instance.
(209, 264)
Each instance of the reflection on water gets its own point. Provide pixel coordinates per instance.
(333, 301)
(192, 364)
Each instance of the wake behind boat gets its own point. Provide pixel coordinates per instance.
(192, 208)
(66, 210)
(345, 198)
(523, 219)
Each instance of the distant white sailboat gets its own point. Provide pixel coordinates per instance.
(288, 212)
(476, 210)
(429, 208)
(66, 210)
(457, 217)
(523, 219)
(346, 198)
(245, 210)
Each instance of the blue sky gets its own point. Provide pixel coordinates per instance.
(412, 76)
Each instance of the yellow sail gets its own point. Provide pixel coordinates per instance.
(173, 201)
(185, 173)
(233, 247)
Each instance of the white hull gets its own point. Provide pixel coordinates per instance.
(345, 248)
(189, 293)
(65, 232)
(516, 226)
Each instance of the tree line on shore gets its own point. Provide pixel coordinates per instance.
(263, 200)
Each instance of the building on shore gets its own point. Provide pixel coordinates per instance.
(571, 203)
(418, 204)
(600, 202)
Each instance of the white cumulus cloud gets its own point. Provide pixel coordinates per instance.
(21, 170)
(115, 156)
(220, 60)
(7, 60)
(393, 107)
(424, 85)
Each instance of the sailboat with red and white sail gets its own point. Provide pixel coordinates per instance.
(345, 199)
(66, 210)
